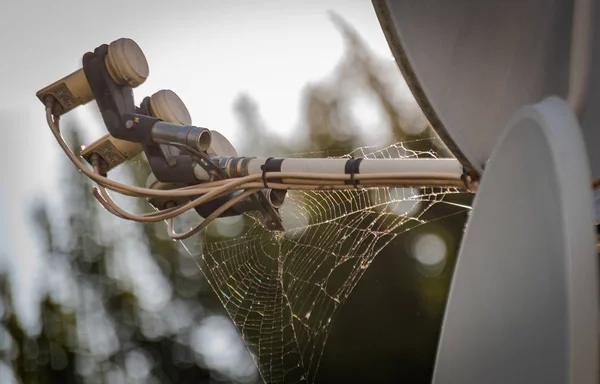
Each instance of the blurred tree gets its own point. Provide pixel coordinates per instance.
(253, 131)
(330, 106)
(100, 323)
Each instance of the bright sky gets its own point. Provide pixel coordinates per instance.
(207, 51)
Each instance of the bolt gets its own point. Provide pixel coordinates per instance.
(129, 124)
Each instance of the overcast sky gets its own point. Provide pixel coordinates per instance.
(207, 51)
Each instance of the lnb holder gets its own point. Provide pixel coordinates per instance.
(125, 121)
(160, 127)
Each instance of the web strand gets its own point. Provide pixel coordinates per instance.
(282, 290)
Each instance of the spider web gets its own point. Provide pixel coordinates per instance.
(282, 289)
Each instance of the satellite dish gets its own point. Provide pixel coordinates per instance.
(523, 302)
(472, 64)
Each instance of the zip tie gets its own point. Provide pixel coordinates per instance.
(263, 168)
(352, 168)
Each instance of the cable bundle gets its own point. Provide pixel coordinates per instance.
(208, 191)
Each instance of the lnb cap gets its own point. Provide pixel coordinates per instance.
(167, 106)
(126, 63)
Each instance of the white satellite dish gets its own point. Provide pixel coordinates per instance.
(523, 303)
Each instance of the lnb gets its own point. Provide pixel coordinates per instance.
(180, 154)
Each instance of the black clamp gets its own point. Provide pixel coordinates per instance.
(352, 168)
(271, 165)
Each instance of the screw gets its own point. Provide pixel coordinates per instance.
(129, 124)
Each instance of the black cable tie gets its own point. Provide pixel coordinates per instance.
(263, 168)
(352, 168)
(271, 165)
